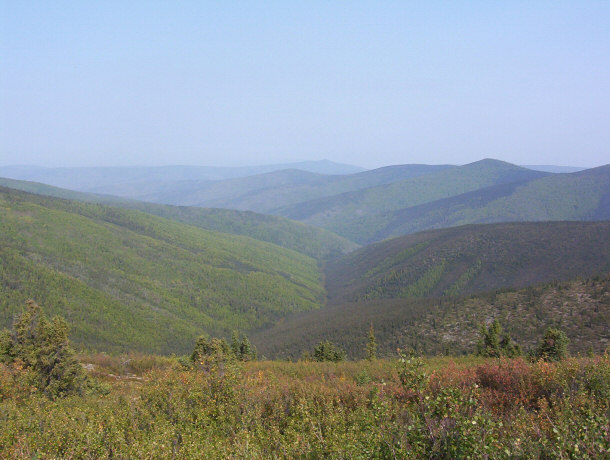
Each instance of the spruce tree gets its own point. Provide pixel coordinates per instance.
(43, 349)
(235, 345)
(371, 346)
(553, 346)
(247, 352)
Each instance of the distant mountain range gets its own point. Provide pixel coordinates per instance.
(554, 168)
(91, 179)
(367, 206)
(583, 195)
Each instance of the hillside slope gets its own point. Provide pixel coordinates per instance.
(359, 215)
(577, 196)
(312, 241)
(127, 280)
(451, 325)
(470, 259)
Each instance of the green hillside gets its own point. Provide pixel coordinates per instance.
(469, 259)
(451, 325)
(313, 241)
(126, 280)
(360, 214)
(577, 196)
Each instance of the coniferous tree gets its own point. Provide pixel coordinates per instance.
(491, 345)
(43, 350)
(327, 351)
(371, 345)
(553, 346)
(247, 351)
(235, 345)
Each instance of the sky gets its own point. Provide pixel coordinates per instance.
(244, 83)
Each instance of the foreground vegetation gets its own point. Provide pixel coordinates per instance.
(406, 408)
(221, 403)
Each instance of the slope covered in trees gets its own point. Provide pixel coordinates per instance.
(470, 259)
(126, 280)
(312, 241)
(450, 325)
(577, 196)
(358, 215)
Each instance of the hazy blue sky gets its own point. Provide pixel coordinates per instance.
(368, 83)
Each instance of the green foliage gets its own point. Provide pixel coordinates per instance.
(490, 344)
(453, 262)
(126, 280)
(553, 345)
(6, 347)
(462, 408)
(242, 349)
(42, 348)
(247, 351)
(451, 325)
(411, 372)
(312, 241)
(214, 347)
(364, 215)
(328, 351)
(371, 345)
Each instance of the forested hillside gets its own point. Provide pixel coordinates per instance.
(313, 241)
(359, 215)
(470, 259)
(577, 196)
(126, 280)
(450, 325)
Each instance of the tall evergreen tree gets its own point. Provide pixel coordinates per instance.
(247, 352)
(371, 345)
(235, 345)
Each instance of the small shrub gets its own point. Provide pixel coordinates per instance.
(41, 347)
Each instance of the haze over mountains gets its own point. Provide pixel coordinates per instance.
(363, 206)
(277, 252)
(90, 178)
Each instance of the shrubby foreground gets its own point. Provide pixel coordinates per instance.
(410, 408)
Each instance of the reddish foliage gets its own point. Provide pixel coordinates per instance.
(506, 384)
